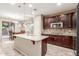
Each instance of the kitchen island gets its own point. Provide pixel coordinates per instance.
(32, 45)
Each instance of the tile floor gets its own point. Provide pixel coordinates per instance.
(54, 50)
(6, 49)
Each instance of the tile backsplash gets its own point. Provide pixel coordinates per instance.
(69, 32)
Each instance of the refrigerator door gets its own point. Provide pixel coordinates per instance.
(77, 48)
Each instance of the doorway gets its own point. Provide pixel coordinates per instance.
(7, 29)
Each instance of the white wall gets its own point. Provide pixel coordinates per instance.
(0, 29)
(17, 27)
(37, 25)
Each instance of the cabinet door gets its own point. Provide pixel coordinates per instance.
(46, 23)
(63, 41)
(69, 20)
(51, 20)
(67, 42)
(58, 40)
(63, 19)
(51, 40)
(55, 19)
(74, 19)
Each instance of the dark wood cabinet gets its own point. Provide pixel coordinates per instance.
(46, 23)
(67, 42)
(63, 41)
(67, 20)
(48, 20)
(74, 20)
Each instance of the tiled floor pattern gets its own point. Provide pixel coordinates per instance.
(6, 49)
(54, 50)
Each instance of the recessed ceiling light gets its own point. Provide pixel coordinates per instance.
(33, 13)
(30, 5)
(16, 22)
(12, 3)
(58, 4)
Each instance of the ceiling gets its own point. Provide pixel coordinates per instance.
(8, 10)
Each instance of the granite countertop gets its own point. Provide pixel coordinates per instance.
(32, 37)
(65, 32)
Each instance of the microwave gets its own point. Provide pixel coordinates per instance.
(56, 25)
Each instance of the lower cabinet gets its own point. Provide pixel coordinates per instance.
(68, 42)
(63, 41)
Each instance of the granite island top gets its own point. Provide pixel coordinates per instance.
(32, 37)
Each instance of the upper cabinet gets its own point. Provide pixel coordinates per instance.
(46, 22)
(60, 21)
(74, 20)
(67, 20)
